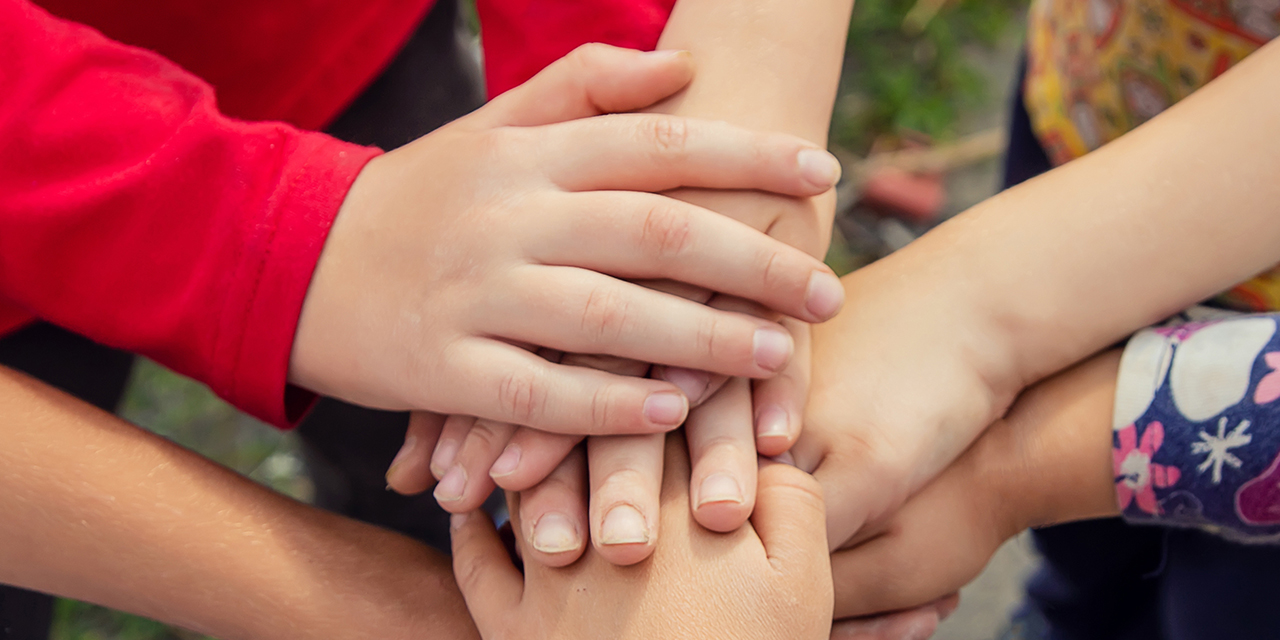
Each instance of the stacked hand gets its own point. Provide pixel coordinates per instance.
(575, 199)
(469, 456)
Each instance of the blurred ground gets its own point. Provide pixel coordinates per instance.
(986, 603)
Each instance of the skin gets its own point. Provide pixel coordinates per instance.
(950, 329)
(1049, 461)
(568, 191)
(765, 581)
(99, 510)
(745, 84)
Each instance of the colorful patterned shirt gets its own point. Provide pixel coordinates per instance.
(1098, 68)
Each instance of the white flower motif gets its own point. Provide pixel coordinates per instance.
(1219, 448)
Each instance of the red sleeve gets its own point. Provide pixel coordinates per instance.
(133, 212)
(522, 36)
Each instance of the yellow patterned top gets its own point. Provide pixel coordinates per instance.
(1098, 68)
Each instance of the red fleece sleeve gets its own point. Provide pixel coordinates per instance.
(133, 212)
(521, 37)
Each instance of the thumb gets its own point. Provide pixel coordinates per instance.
(791, 521)
(490, 584)
(592, 80)
(930, 549)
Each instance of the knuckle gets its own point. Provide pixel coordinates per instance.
(772, 271)
(521, 397)
(588, 53)
(669, 136)
(490, 435)
(467, 568)
(603, 407)
(605, 315)
(707, 336)
(666, 232)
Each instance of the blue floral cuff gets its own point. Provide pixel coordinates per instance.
(1196, 430)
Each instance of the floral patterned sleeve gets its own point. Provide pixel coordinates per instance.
(1197, 425)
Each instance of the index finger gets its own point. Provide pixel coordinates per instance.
(650, 152)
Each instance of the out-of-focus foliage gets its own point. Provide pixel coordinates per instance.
(901, 75)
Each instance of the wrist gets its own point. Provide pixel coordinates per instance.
(348, 579)
(1052, 460)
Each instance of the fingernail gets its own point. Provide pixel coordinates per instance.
(446, 451)
(506, 463)
(624, 525)
(555, 533)
(668, 53)
(457, 520)
(772, 348)
(819, 167)
(773, 422)
(666, 408)
(719, 487)
(785, 458)
(824, 295)
(452, 485)
(410, 443)
(693, 384)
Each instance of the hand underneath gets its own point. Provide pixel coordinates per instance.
(1049, 461)
(767, 581)
(474, 455)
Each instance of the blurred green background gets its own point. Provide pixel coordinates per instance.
(915, 70)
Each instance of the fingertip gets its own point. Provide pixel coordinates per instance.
(507, 463)
(555, 539)
(625, 555)
(665, 410)
(626, 535)
(722, 517)
(774, 435)
(819, 168)
(458, 520)
(824, 295)
(409, 477)
(681, 59)
(694, 384)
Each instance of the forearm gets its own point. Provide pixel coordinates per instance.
(98, 510)
(770, 65)
(1172, 213)
(765, 64)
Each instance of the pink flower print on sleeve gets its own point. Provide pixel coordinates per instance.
(1269, 386)
(1258, 500)
(1137, 476)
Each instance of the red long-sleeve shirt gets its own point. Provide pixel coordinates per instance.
(139, 211)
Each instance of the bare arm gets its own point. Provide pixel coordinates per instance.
(770, 65)
(99, 510)
(1168, 215)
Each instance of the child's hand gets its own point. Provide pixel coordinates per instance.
(415, 309)
(769, 581)
(476, 454)
(902, 381)
(1049, 461)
